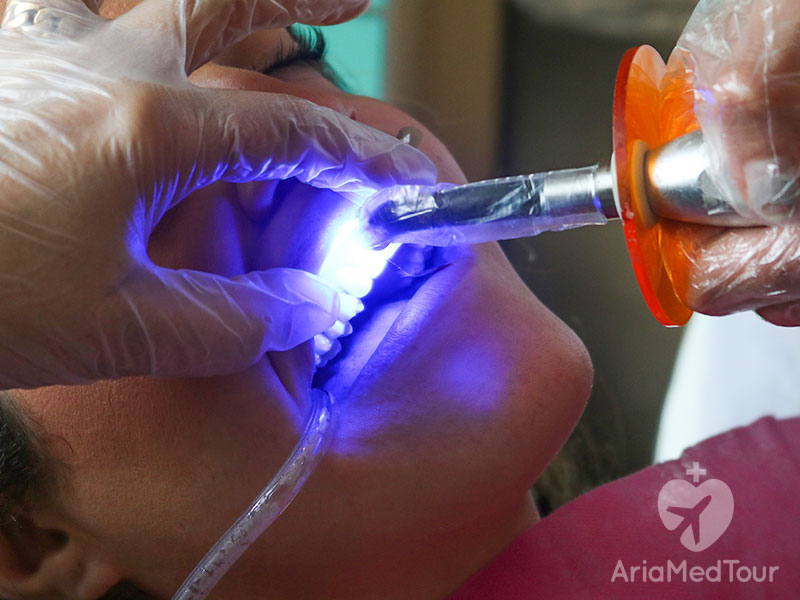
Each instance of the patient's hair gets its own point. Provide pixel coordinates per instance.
(27, 471)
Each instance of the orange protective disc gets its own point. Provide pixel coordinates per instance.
(652, 105)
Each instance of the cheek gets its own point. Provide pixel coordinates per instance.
(491, 372)
(136, 421)
(111, 9)
(145, 460)
(391, 120)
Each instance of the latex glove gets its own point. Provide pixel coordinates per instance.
(752, 268)
(101, 133)
(744, 56)
(744, 60)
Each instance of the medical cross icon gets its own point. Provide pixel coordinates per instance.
(696, 472)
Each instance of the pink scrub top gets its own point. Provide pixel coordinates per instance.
(723, 521)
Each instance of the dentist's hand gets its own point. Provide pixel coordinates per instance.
(744, 59)
(744, 56)
(101, 133)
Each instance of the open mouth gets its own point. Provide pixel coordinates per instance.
(351, 266)
(316, 230)
(387, 282)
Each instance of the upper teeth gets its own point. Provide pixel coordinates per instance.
(351, 266)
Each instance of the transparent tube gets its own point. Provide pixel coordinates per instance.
(269, 504)
(496, 209)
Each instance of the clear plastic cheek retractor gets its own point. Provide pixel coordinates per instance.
(657, 180)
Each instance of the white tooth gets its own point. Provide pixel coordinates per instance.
(330, 354)
(335, 331)
(323, 359)
(372, 264)
(389, 251)
(336, 347)
(339, 329)
(349, 306)
(353, 281)
(322, 344)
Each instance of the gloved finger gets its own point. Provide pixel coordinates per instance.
(67, 18)
(190, 323)
(745, 64)
(210, 26)
(783, 315)
(254, 136)
(67, 6)
(745, 269)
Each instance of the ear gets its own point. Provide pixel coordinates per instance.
(51, 562)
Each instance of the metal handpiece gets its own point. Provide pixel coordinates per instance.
(496, 209)
(676, 186)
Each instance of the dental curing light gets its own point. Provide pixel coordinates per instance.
(657, 184)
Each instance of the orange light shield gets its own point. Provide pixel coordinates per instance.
(653, 104)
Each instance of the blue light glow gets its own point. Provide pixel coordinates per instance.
(351, 265)
(353, 281)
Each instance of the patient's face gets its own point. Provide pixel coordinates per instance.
(454, 393)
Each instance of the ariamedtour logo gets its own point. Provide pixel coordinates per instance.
(698, 514)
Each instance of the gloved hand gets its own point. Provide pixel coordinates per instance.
(101, 134)
(744, 56)
(744, 60)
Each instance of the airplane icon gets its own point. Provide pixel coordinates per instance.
(691, 517)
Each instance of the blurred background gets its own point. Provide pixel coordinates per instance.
(527, 85)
